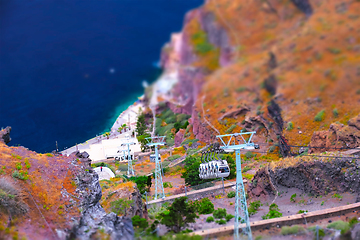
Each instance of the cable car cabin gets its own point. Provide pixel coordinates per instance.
(153, 157)
(214, 169)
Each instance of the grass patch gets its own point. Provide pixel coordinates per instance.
(340, 225)
(230, 129)
(173, 157)
(286, 230)
(167, 185)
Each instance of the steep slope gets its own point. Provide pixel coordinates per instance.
(45, 196)
(280, 67)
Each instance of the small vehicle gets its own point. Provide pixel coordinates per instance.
(214, 169)
(153, 157)
(212, 166)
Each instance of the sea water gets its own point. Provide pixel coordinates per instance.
(68, 68)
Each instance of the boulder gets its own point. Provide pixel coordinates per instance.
(5, 135)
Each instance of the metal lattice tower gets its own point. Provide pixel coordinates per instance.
(127, 143)
(159, 188)
(236, 142)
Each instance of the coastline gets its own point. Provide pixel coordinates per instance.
(128, 116)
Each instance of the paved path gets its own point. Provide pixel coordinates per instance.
(287, 220)
(106, 173)
(226, 185)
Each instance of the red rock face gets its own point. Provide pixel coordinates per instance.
(200, 129)
(338, 136)
(179, 137)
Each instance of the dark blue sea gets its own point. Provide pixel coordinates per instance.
(69, 67)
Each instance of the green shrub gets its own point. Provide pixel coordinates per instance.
(293, 198)
(254, 207)
(167, 185)
(290, 126)
(336, 195)
(18, 166)
(320, 116)
(231, 194)
(249, 155)
(173, 157)
(206, 206)
(285, 230)
(231, 128)
(334, 50)
(240, 89)
(187, 141)
(246, 168)
(321, 231)
(219, 213)
(353, 221)
(139, 222)
(335, 112)
(228, 217)
(20, 175)
(273, 212)
(302, 211)
(221, 221)
(120, 206)
(271, 149)
(210, 219)
(340, 225)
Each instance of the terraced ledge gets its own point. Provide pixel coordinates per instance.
(226, 185)
(282, 221)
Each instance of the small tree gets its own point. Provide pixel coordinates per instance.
(142, 140)
(139, 222)
(141, 125)
(120, 206)
(149, 182)
(107, 134)
(178, 215)
(141, 183)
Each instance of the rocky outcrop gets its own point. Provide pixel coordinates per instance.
(234, 113)
(200, 129)
(137, 207)
(5, 135)
(261, 185)
(217, 36)
(304, 6)
(315, 177)
(338, 136)
(94, 217)
(355, 232)
(179, 137)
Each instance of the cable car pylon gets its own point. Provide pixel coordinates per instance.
(157, 141)
(238, 141)
(127, 142)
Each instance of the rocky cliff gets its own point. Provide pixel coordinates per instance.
(57, 197)
(317, 175)
(236, 60)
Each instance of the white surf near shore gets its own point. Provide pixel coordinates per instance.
(102, 147)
